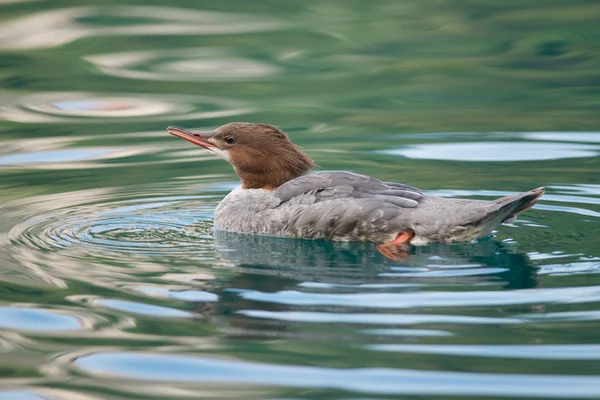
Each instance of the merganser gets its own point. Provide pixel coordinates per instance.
(279, 197)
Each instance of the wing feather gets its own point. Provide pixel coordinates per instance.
(344, 206)
(333, 185)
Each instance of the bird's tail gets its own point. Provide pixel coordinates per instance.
(515, 204)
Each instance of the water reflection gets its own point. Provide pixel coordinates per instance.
(141, 308)
(583, 137)
(58, 27)
(93, 235)
(184, 65)
(175, 368)
(495, 151)
(33, 319)
(280, 284)
(113, 285)
(71, 107)
(332, 265)
(66, 158)
(44, 394)
(551, 352)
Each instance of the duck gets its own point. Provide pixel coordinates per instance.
(280, 196)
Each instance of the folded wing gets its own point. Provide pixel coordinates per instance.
(344, 206)
(332, 185)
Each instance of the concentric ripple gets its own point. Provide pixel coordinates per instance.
(70, 234)
(114, 285)
(64, 107)
(183, 65)
(141, 226)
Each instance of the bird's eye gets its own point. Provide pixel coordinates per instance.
(229, 140)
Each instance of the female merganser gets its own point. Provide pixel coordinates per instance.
(278, 197)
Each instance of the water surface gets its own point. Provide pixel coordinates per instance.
(113, 284)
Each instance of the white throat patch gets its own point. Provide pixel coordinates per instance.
(224, 154)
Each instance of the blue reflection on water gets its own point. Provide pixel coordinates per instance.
(180, 368)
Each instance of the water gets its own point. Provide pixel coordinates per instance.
(113, 285)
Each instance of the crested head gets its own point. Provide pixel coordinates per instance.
(262, 155)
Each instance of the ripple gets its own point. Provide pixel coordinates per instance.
(568, 316)
(407, 332)
(92, 235)
(61, 107)
(183, 295)
(584, 137)
(539, 352)
(57, 27)
(80, 157)
(149, 226)
(44, 394)
(372, 318)
(333, 286)
(571, 268)
(547, 197)
(38, 320)
(589, 189)
(195, 369)
(495, 151)
(497, 193)
(142, 308)
(574, 295)
(20, 395)
(183, 65)
(447, 273)
(54, 156)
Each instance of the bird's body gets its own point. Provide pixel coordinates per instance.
(343, 206)
(278, 197)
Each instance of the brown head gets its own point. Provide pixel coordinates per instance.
(262, 155)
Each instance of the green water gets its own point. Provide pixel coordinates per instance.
(114, 286)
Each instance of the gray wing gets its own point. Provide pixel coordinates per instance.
(322, 186)
(344, 206)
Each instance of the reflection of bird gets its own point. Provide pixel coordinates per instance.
(276, 265)
(361, 263)
(278, 197)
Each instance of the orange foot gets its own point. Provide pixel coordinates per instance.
(397, 250)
